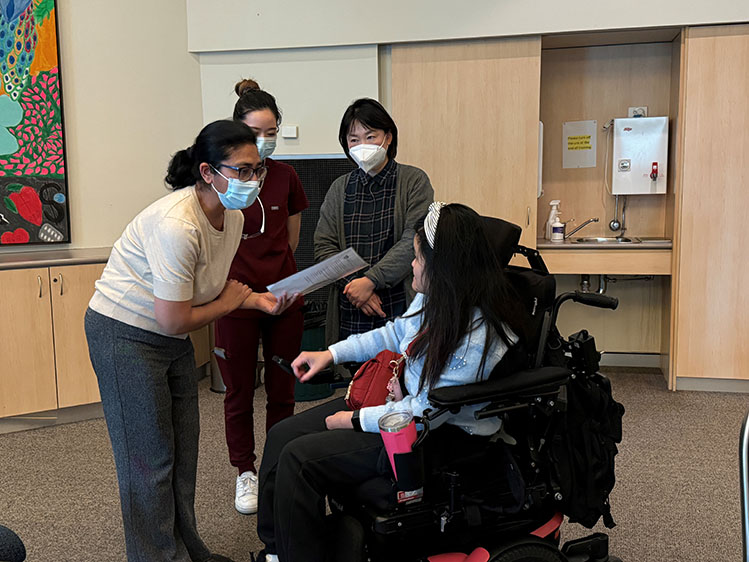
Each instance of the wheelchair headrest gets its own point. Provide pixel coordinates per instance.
(505, 237)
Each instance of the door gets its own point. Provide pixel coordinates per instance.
(72, 288)
(467, 114)
(27, 364)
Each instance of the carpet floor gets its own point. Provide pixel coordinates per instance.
(676, 498)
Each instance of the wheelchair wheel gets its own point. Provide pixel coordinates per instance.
(529, 553)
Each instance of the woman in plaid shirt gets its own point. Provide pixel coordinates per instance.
(373, 210)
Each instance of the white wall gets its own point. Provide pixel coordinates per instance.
(312, 87)
(131, 97)
(226, 25)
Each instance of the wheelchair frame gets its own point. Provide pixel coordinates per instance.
(390, 535)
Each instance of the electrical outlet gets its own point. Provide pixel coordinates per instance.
(638, 111)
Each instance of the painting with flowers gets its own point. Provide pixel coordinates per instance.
(33, 186)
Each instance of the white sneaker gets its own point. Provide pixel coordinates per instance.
(263, 557)
(245, 498)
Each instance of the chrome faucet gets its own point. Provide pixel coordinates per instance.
(586, 223)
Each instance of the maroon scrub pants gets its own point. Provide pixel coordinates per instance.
(239, 338)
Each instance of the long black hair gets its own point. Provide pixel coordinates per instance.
(252, 98)
(216, 142)
(462, 274)
(372, 115)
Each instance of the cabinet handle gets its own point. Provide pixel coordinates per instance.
(60, 284)
(39, 278)
(528, 218)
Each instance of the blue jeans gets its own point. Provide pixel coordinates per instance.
(148, 386)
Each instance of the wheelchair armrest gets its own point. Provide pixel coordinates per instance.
(486, 391)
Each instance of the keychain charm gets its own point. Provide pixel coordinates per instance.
(393, 386)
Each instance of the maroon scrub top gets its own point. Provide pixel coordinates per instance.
(265, 259)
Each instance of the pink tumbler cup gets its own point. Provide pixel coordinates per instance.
(398, 432)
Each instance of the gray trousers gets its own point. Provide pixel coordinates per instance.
(149, 392)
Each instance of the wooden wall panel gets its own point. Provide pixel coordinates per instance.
(712, 301)
(634, 327)
(467, 114)
(600, 83)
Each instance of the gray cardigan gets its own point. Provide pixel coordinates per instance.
(414, 193)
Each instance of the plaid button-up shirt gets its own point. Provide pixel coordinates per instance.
(368, 208)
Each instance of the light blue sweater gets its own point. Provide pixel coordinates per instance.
(462, 367)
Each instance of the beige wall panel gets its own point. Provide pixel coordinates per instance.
(71, 289)
(634, 327)
(313, 87)
(27, 364)
(225, 25)
(599, 83)
(467, 113)
(131, 98)
(713, 303)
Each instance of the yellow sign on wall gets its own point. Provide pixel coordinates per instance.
(579, 142)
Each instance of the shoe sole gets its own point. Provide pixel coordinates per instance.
(245, 512)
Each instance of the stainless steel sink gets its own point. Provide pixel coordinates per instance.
(606, 240)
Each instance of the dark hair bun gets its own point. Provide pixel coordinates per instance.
(245, 85)
(180, 172)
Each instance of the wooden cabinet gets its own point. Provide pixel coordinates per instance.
(27, 380)
(42, 342)
(71, 289)
(43, 349)
(467, 113)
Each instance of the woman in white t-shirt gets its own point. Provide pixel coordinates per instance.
(167, 276)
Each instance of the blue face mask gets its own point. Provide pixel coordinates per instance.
(239, 194)
(266, 146)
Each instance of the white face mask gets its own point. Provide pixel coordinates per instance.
(368, 156)
(266, 146)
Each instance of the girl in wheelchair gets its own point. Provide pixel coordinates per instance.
(456, 330)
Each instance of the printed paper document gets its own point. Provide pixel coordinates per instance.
(321, 274)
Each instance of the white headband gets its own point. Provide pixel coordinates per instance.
(430, 222)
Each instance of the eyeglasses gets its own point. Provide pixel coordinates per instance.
(245, 173)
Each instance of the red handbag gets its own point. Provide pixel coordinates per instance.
(369, 386)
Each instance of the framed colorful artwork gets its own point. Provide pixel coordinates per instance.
(33, 184)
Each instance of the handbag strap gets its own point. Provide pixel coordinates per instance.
(396, 363)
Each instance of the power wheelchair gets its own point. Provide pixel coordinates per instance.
(484, 499)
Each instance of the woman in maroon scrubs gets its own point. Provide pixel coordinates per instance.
(265, 255)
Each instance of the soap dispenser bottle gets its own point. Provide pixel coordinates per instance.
(557, 230)
(553, 217)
